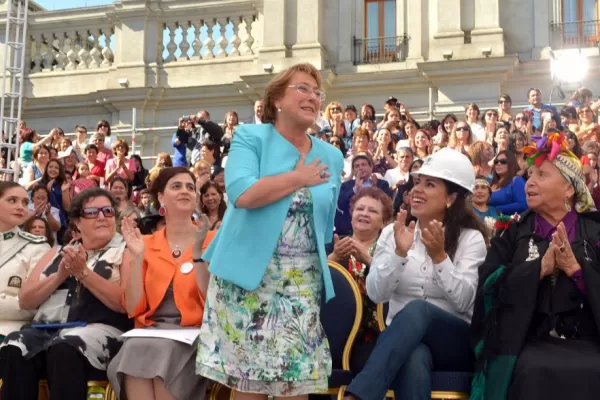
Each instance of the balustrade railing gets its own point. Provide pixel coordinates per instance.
(60, 50)
(380, 50)
(577, 34)
(206, 39)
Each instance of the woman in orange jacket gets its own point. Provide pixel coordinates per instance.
(165, 289)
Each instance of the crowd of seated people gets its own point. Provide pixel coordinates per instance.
(93, 245)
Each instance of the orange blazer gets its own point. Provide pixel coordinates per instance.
(158, 270)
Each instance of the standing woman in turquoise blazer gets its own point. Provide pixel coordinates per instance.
(261, 333)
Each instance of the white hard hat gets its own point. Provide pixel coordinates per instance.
(449, 165)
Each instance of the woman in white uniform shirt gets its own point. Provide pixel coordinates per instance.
(19, 253)
(428, 273)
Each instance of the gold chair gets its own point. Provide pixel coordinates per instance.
(341, 322)
(382, 310)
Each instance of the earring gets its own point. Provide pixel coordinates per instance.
(448, 205)
(162, 211)
(567, 205)
(278, 109)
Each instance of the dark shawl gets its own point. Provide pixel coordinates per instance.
(513, 305)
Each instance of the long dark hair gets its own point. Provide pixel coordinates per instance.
(512, 170)
(458, 216)
(222, 204)
(60, 179)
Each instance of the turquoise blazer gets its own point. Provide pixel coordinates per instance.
(246, 240)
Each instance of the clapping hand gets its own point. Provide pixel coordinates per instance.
(403, 235)
(311, 174)
(342, 248)
(133, 237)
(75, 261)
(433, 239)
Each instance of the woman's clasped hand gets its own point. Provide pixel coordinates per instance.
(559, 255)
(74, 262)
(313, 173)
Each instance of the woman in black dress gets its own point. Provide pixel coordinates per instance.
(537, 311)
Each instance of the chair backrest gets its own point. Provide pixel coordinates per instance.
(341, 316)
(382, 312)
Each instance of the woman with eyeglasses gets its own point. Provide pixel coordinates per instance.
(461, 137)
(588, 128)
(165, 289)
(508, 188)
(77, 291)
(291, 194)
(523, 122)
(505, 108)
(490, 124)
(334, 115)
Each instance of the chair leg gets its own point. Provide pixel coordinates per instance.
(341, 392)
(44, 391)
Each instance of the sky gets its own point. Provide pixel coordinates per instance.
(60, 4)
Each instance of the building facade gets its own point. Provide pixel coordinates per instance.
(169, 58)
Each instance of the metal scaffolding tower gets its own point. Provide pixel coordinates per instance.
(14, 67)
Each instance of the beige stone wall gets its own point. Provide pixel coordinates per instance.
(76, 78)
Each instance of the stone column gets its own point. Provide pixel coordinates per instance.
(309, 28)
(346, 31)
(448, 36)
(272, 43)
(541, 29)
(487, 33)
(414, 22)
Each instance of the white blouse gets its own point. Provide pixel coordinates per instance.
(449, 285)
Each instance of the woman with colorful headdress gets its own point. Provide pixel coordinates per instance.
(537, 310)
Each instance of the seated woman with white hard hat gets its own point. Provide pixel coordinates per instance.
(427, 271)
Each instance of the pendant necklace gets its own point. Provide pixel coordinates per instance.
(176, 253)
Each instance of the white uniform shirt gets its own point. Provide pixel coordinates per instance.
(449, 285)
(13, 274)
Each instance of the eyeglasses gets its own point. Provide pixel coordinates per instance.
(503, 161)
(585, 111)
(93, 212)
(522, 119)
(308, 91)
(462, 128)
(336, 109)
(503, 101)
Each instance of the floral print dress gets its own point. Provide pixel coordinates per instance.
(270, 340)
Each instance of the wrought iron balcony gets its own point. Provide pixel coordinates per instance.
(380, 50)
(576, 34)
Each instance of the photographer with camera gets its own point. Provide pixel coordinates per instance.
(180, 141)
(205, 130)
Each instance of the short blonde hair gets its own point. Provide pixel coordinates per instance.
(278, 85)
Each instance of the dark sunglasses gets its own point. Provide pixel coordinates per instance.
(504, 161)
(462, 128)
(503, 101)
(334, 109)
(522, 119)
(93, 212)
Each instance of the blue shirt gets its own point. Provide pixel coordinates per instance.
(179, 158)
(244, 245)
(537, 122)
(491, 212)
(511, 198)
